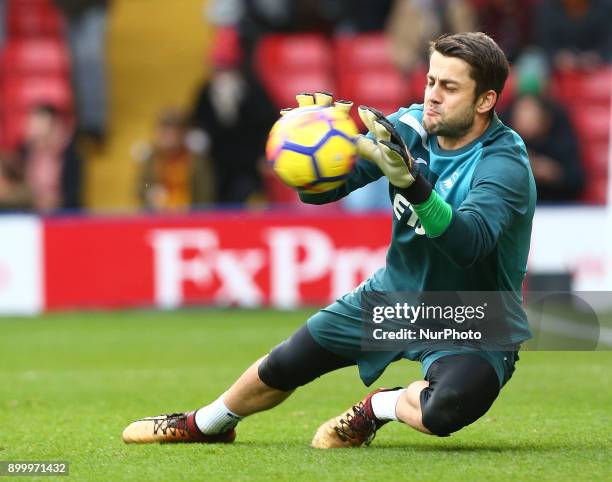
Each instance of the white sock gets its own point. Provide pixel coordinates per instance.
(216, 418)
(383, 404)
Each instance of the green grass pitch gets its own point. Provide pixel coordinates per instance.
(69, 383)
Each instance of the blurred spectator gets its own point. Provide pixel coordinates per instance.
(531, 72)
(360, 16)
(45, 173)
(552, 146)
(174, 176)
(509, 22)
(86, 21)
(14, 193)
(414, 23)
(574, 33)
(235, 114)
(292, 15)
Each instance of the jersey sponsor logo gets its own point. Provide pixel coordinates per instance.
(446, 184)
(400, 205)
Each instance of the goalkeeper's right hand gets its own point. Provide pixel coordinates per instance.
(387, 150)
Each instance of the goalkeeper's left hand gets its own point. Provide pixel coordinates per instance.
(387, 149)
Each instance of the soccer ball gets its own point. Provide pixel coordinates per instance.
(312, 148)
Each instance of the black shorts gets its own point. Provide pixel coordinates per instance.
(462, 387)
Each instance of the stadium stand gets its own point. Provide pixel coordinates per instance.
(22, 94)
(288, 64)
(366, 74)
(587, 95)
(360, 68)
(35, 56)
(33, 18)
(34, 66)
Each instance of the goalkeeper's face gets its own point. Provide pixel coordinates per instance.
(450, 99)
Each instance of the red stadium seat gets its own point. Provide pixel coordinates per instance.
(367, 75)
(283, 87)
(364, 51)
(294, 52)
(592, 124)
(35, 57)
(29, 91)
(577, 87)
(588, 98)
(596, 190)
(22, 94)
(595, 156)
(29, 18)
(381, 89)
(595, 159)
(290, 64)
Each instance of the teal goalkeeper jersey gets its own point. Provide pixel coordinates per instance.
(490, 187)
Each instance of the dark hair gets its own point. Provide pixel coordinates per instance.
(489, 66)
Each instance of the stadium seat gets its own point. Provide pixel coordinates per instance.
(592, 124)
(379, 89)
(367, 75)
(28, 91)
(575, 87)
(595, 156)
(294, 51)
(284, 87)
(35, 57)
(290, 64)
(22, 94)
(588, 97)
(596, 190)
(33, 18)
(363, 51)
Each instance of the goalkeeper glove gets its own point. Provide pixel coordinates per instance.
(387, 150)
(323, 99)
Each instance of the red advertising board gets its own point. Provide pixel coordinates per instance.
(233, 258)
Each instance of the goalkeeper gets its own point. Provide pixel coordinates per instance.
(454, 167)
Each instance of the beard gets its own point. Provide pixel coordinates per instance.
(456, 126)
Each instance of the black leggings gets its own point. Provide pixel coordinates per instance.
(461, 387)
(298, 361)
(461, 390)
